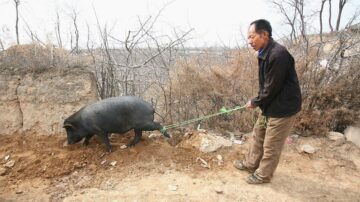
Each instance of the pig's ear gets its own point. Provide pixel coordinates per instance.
(68, 125)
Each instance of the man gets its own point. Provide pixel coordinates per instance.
(279, 99)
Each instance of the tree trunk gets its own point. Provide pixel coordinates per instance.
(330, 25)
(17, 3)
(341, 7)
(321, 20)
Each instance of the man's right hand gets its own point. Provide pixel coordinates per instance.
(250, 105)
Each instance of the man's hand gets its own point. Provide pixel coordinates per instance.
(250, 105)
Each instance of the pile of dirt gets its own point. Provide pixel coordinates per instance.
(46, 170)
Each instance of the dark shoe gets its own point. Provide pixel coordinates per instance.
(241, 166)
(254, 179)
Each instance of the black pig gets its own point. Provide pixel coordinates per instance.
(112, 115)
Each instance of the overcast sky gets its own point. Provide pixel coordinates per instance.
(215, 22)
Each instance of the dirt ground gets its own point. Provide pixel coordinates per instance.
(154, 170)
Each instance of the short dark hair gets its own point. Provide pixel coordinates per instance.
(262, 25)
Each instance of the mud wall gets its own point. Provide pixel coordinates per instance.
(38, 102)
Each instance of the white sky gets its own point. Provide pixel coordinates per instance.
(216, 22)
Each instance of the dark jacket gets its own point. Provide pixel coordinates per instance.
(279, 91)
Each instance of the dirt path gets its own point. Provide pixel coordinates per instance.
(153, 170)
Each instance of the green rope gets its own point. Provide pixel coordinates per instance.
(223, 110)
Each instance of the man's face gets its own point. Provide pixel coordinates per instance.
(257, 40)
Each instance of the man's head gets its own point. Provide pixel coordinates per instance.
(259, 34)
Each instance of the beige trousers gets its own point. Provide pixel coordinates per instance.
(266, 143)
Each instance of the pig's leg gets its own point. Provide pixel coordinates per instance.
(137, 138)
(87, 139)
(105, 139)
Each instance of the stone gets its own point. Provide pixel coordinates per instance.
(188, 135)
(65, 144)
(7, 157)
(203, 162)
(352, 134)
(154, 135)
(173, 187)
(113, 163)
(335, 136)
(205, 142)
(123, 147)
(212, 143)
(308, 149)
(230, 135)
(10, 164)
(220, 159)
(238, 142)
(218, 190)
(201, 130)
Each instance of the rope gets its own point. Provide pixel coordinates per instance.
(223, 110)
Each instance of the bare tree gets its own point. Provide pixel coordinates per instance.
(2, 45)
(17, 3)
(74, 18)
(294, 13)
(330, 24)
(128, 67)
(321, 20)
(299, 5)
(290, 20)
(58, 30)
(32, 34)
(341, 7)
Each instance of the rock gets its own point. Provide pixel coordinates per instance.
(205, 142)
(188, 135)
(123, 147)
(108, 184)
(339, 142)
(353, 134)
(154, 135)
(10, 164)
(238, 142)
(102, 162)
(218, 190)
(113, 163)
(65, 144)
(19, 192)
(203, 162)
(220, 159)
(211, 143)
(308, 149)
(335, 136)
(230, 135)
(291, 139)
(77, 165)
(7, 157)
(201, 130)
(173, 187)
(2, 171)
